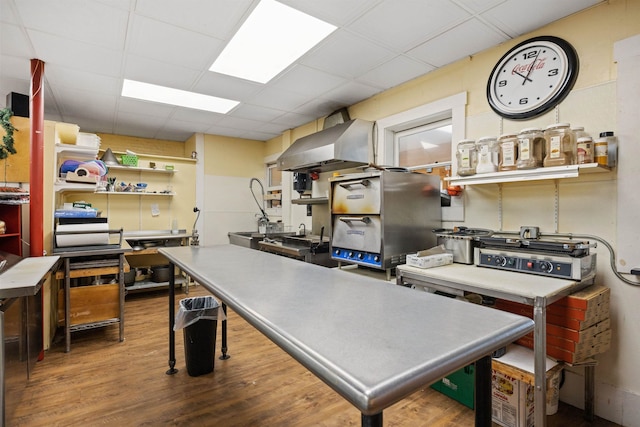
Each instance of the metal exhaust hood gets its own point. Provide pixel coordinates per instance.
(342, 146)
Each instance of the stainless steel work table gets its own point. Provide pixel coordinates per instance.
(534, 290)
(372, 342)
(23, 280)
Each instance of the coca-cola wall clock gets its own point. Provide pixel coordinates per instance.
(532, 77)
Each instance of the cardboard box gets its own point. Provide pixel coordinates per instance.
(512, 394)
(459, 386)
(90, 304)
(429, 261)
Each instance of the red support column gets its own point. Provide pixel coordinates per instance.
(36, 177)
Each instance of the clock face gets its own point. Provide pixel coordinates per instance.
(532, 78)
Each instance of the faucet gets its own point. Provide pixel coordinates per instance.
(304, 229)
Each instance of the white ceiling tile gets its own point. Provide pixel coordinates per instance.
(156, 72)
(168, 43)
(236, 122)
(196, 116)
(320, 106)
(477, 6)
(76, 54)
(74, 79)
(294, 119)
(96, 23)
(272, 128)
(396, 71)
(258, 136)
(298, 78)
(352, 92)
(538, 13)
(14, 42)
(346, 54)
(402, 24)
(227, 87)
(337, 12)
(186, 126)
(77, 103)
(16, 68)
(137, 106)
(278, 99)
(465, 39)
(217, 18)
(254, 112)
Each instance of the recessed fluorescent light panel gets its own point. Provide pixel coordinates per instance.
(182, 98)
(271, 38)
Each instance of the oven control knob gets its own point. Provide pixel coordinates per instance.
(360, 256)
(350, 254)
(337, 252)
(376, 258)
(500, 260)
(546, 266)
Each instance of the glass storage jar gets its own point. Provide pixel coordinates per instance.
(467, 157)
(508, 152)
(530, 148)
(560, 145)
(584, 150)
(488, 157)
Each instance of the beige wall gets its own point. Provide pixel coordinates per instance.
(587, 205)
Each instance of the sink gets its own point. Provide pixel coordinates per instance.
(250, 239)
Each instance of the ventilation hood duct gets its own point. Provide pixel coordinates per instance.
(342, 146)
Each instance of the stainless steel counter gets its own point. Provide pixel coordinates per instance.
(372, 342)
(537, 291)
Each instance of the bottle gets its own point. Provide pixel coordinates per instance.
(584, 150)
(487, 148)
(612, 147)
(601, 151)
(508, 152)
(560, 145)
(530, 148)
(467, 157)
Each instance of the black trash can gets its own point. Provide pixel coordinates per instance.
(198, 318)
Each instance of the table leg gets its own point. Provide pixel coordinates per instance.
(483, 392)
(121, 294)
(372, 420)
(589, 385)
(540, 361)
(67, 305)
(224, 356)
(172, 335)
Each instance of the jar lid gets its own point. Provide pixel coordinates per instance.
(557, 125)
(486, 139)
(529, 130)
(605, 134)
(578, 129)
(467, 141)
(585, 139)
(507, 136)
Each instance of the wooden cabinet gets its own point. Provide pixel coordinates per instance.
(11, 240)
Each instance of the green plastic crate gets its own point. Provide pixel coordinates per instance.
(129, 160)
(459, 386)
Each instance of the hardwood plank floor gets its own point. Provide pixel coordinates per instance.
(103, 382)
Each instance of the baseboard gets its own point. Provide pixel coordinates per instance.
(612, 404)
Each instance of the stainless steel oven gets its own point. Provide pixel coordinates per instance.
(380, 216)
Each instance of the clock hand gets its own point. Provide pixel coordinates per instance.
(523, 76)
(531, 68)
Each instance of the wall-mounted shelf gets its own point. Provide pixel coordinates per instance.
(556, 172)
(141, 169)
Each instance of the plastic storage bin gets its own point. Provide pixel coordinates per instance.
(198, 318)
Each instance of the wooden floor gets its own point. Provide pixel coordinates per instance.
(103, 382)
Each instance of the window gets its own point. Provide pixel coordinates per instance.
(422, 138)
(424, 145)
(274, 187)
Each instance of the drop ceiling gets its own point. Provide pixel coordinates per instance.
(90, 46)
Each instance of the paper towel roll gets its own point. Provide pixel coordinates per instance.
(82, 239)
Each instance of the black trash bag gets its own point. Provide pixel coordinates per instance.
(197, 317)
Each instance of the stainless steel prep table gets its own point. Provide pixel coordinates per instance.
(372, 342)
(537, 291)
(23, 280)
